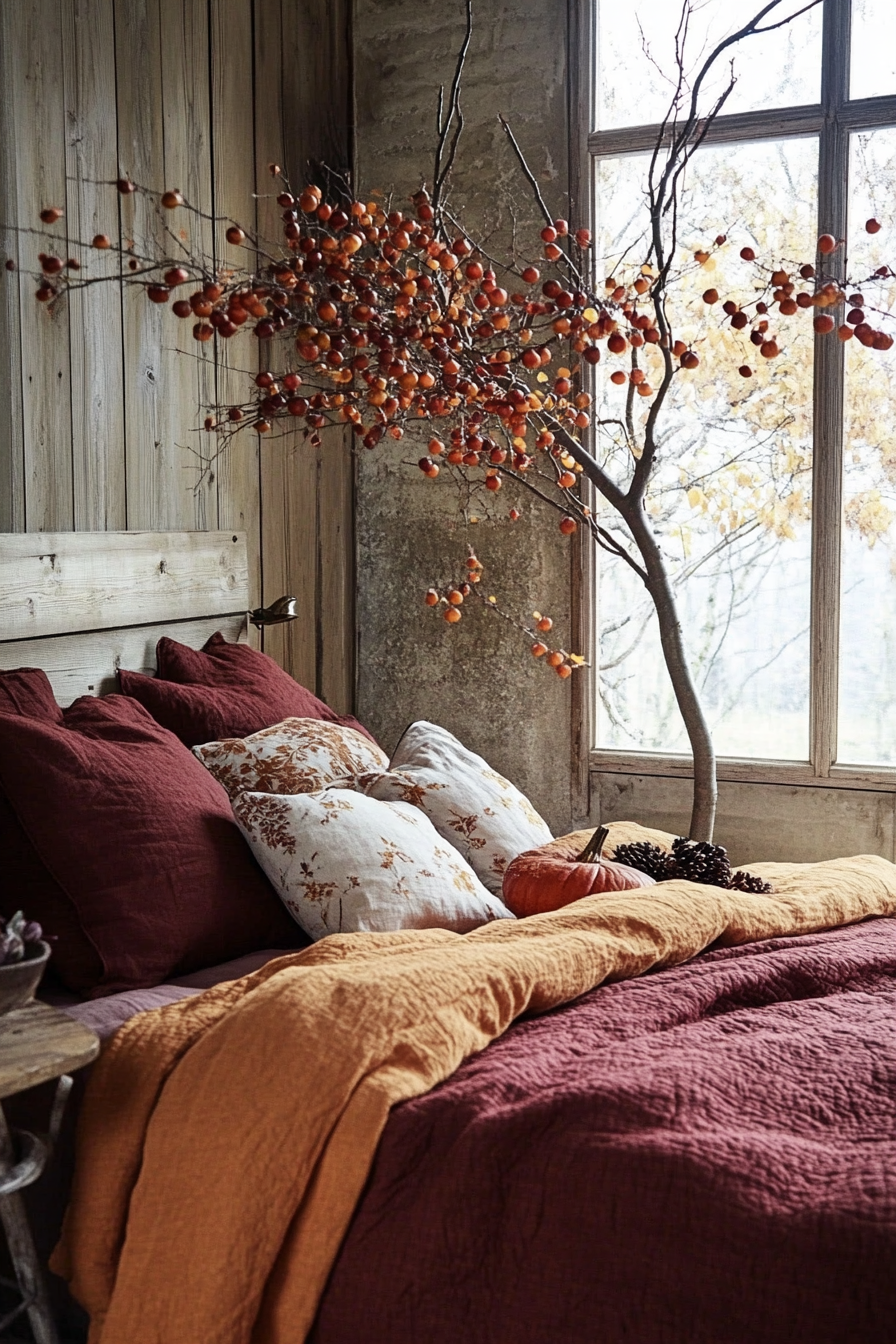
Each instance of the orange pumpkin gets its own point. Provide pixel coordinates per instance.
(565, 870)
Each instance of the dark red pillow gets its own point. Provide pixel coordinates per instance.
(141, 840)
(223, 690)
(25, 883)
(27, 690)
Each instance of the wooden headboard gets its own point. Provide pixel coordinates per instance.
(82, 604)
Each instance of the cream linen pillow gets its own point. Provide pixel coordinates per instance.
(480, 812)
(345, 863)
(295, 756)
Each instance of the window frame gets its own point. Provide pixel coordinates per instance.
(833, 120)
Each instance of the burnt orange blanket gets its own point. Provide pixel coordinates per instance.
(225, 1140)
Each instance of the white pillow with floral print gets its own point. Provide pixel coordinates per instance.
(479, 811)
(345, 863)
(295, 756)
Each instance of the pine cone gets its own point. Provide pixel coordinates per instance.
(743, 881)
(697, 861)
(647, 858)
(692, 861)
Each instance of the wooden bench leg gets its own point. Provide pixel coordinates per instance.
(29, 1273)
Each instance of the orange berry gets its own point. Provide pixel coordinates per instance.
(568, 526)
(823, 324)
(513, 515)
(235, 235)
(745, 371)
(555, 658)
(539, 649)
(172, 199)
(563, 670)
(545, 623)
(432, 598)
(493, 483)
(827, 244)
(455, 597)
(452, 615)
(566, 480)
(618, 377)
(710, 296)
(872, 226)
(769, 349)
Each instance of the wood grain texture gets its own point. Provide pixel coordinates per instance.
(98, 463)
(101, 402)
(46, 362)
(139, 104)
(12, 429)
(760, 821)
(87, 664)
(233, 179)
(186, 149)
(38, 1043)
(57, 583)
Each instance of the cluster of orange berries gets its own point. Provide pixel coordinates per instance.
(790, 301)
(391, 319)
(558, 659)
(452, 599)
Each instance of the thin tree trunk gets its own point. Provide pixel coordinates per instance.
(703, 814)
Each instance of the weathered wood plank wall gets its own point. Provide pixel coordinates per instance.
(99, 404)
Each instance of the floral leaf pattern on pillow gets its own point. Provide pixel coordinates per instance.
(271, 819)
(343, 862)
(295, 756)
(478, 811)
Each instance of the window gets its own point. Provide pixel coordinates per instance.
(783, 540)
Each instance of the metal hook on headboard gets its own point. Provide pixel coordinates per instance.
(283, 609)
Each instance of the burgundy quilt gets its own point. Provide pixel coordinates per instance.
(706, 1155)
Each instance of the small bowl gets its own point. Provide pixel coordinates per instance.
(20, 979)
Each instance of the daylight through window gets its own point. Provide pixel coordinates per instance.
(777, 507)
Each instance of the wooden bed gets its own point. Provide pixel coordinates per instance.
(696, 1154)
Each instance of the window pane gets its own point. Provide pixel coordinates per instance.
(636, 58)
(731, 501)
(867, 722)
(873, 49)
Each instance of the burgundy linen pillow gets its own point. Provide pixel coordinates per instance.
(25, 883)
(141, 840)
(223, 690)
(27, 690)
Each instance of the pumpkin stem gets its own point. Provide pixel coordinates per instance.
(592, 851)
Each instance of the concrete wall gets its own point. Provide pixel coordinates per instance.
(478, 679)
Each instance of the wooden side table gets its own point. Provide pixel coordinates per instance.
(37, 1043)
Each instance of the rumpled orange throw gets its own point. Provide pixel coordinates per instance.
(225, 1140)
